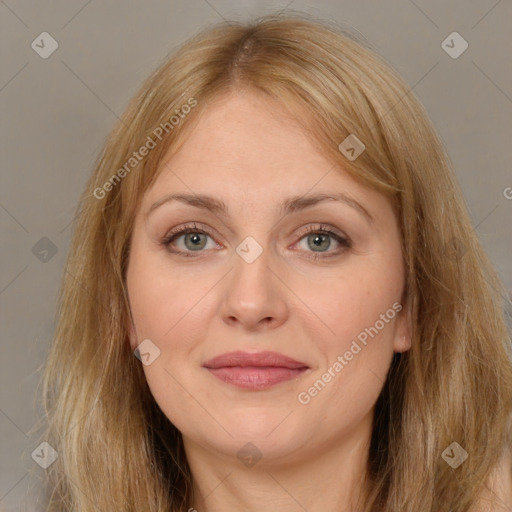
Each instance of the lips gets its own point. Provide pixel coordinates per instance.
(257, 359)
(256, 371)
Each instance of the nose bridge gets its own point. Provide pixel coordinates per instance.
(251, 274)
(253, 292)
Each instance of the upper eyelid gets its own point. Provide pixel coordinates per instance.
(192, 226)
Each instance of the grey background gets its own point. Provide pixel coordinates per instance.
(57, 111)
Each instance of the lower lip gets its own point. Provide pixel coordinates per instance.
(256, 378)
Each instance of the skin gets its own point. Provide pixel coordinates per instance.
(248, 153)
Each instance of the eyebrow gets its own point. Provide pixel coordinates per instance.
(291, 205)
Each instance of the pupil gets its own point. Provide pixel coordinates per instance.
(195, 241)
(319, 239)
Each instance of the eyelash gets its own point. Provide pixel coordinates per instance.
(322, 229)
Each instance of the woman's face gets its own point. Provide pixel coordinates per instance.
(266, 266)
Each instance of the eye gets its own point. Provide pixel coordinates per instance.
(194, 240)
(318, 240)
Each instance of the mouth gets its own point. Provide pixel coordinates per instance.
(255, 371)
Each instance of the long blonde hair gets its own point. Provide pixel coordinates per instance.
(117, 451)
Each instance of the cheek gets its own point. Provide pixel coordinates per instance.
(360, 310)
(161, 302)
(343, 305)
(167, 310)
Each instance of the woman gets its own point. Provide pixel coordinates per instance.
(275, 298)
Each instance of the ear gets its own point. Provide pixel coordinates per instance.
(403, 329)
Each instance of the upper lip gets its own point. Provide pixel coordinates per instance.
(262, 359)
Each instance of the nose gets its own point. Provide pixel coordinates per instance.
(255, 298)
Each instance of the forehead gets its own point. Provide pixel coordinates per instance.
(247, 130)
(245, 141)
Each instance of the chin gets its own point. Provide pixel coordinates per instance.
(274, 436)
